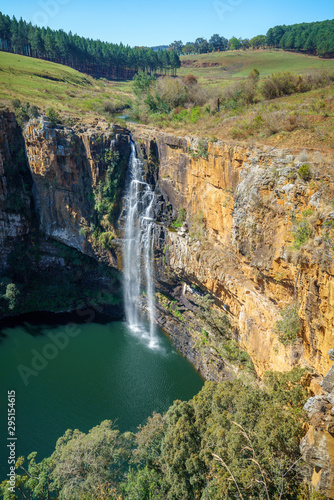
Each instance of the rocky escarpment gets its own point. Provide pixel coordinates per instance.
(243, 241)
(16, 200)
(67, 165)
(256, 236)
(50, 180)
(317, 446)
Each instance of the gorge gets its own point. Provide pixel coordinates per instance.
(228, 222)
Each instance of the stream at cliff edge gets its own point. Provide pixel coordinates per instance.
(76, 375)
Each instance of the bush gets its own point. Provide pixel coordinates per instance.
(142, 83)
(11, 295)
(254, 74)
(181, 217)
(302, 232)
(279, 84)
(106, 239)
(53, 116)
(289, 326)
(16, 103)
(304, 172)
(239, 94)
(168, 94)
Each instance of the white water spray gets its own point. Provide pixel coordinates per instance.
(138, 249)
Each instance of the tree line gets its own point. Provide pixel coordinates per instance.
(94, 57)
(312, 38)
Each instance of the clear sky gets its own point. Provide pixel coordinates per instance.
(155, 22)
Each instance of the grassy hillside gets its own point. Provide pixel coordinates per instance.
(303, 120)
(42, 83)
(222, 67)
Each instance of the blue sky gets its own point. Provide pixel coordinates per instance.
(151, 22)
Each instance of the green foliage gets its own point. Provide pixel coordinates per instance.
(190, 115)
(24, 112)
(279, 84)
(107, 191)
(11, 295)
(106, 239)
(201, 150)
(100, 59)
(239, 94)
(302, 232)
(142, 83)
(142, 484)
(304, 172)
(82, 465)
(181, 217)
(254, 432)
(237, 421)
(167, 94)
(53, 116)
(289, 326)
(254, 74)
(314, 38)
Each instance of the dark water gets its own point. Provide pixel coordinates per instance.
(75, 376)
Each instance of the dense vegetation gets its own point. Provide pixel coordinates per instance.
(176, 101)
(312, 38)
(96, 58)
(233, 440)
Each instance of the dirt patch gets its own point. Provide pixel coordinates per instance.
(193, 63)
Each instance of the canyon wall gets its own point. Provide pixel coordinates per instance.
(253, 206)
(51, 178)
(240, 231)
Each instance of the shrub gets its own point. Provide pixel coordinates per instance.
(189, 80)
(302, 232)
(16, 103)
(304, 172)
(279, 84)
(254, 74)
(106, 239)
(290, 324)
(181, 217)
(168, 94)
(142, 83)
(53, 116)
(240, 93)
(11, 295)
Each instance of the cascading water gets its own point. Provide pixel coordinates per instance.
(138, 249)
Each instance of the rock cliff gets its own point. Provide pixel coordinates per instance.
(244, 241)
(257, 237)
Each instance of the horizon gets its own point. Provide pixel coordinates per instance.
(228, 18)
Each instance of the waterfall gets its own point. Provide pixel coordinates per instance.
(138, 249)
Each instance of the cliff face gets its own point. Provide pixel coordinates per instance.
(252, 231)
(15, 185)
(66, 166)
(49, 182)
(246, 208)
(317, 446)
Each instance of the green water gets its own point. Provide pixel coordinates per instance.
(104, 372)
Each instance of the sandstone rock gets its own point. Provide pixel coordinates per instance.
(328, 383)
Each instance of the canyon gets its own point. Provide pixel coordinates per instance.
(255, 241)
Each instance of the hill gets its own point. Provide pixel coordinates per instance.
(222, 67)
(43, 83)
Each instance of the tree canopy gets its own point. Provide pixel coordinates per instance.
(313, 38)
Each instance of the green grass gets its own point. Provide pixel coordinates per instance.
(227, 66)
(43, 84)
